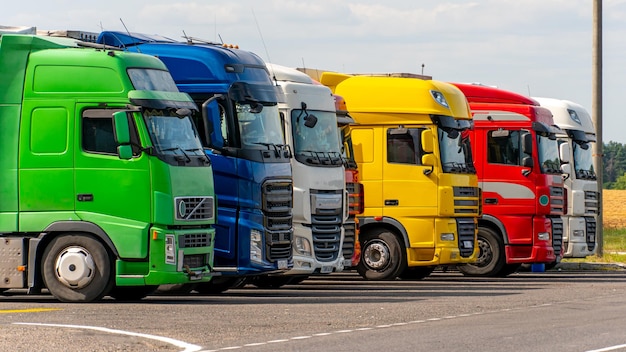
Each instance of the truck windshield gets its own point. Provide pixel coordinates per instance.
(456, 153)
(317, 143)
(172, 134)
(259, 127)
(583, 160)
(548, 150)
(321, 138)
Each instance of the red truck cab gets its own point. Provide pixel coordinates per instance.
(517, 161)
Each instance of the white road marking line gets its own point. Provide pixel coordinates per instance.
(610, 348)
(187, 346)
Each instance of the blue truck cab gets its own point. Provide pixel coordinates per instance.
(241, 132)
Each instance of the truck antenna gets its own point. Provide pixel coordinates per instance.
(261, 35)
(128, 32)
(423, 69)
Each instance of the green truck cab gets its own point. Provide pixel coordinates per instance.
(104, 184)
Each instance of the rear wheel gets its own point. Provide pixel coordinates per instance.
(77, 268)
(382, 256)
(417, 272)
(491, 258)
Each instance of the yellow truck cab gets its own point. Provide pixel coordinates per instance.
(422, 198)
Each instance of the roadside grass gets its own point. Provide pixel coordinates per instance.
(614, 248)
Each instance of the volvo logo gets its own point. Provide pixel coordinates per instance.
(182, 209)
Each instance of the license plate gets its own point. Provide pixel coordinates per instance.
(468, 244)
(282, 264)
(326, 269)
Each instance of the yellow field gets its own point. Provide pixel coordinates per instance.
(614, 208)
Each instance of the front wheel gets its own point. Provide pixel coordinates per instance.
(77, 268)
(382, 256)
(491, 258)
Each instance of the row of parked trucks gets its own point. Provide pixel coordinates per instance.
(136, 161)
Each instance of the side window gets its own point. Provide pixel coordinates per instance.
(404, 146)
(97, 132)
(504, 147)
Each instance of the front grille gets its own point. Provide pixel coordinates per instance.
(591, 202)
(557, 200)
(349, 238)
(278, 219)
(194, 208)
(466, 200)
(557, 235)
(326, 230)
(466, 229)
(590, 227)
(194, 261)
(194, 240)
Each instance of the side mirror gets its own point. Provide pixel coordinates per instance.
(527, 161)
(428, 160)
(427, 142)
(121, 130)
(121, 127)
(211, 113)
(527, 143)
(566, 169)
(564, 152)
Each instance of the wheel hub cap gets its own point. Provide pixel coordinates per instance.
(74, 267)
(376, 255)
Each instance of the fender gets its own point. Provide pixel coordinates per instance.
(365, 221)
(492, 220)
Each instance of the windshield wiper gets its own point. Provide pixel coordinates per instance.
(178, 148)
(206, 158)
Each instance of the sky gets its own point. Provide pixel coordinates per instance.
(533, 47)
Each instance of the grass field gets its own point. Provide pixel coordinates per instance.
(614, 228)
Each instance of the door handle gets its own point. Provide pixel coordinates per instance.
(491, 201)
(391, 202)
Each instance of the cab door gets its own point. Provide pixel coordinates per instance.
(409, 193)
(111, 192)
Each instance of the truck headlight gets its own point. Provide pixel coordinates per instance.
(447, 237)
(543, 236)
(302, 246)
(256, 246)
(170, 249)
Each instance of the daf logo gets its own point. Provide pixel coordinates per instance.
(182, 209)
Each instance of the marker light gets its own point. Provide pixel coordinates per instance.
(447, 237)
(256, 245)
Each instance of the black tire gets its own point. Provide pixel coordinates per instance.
(266, 281)
(77, 268)
(417, 272)
(219, 285)
(491, 257)
(131, 293)
(382, 256)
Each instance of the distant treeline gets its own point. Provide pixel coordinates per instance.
(614, 162)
